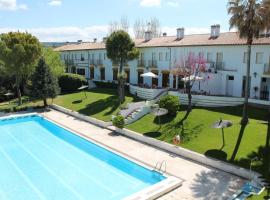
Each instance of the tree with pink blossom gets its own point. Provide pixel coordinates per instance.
(190, 68)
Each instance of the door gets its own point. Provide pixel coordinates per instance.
(165, 80)
(127, 76)
(92, 73)
(140, 79)
(230, 80)
(102, 74)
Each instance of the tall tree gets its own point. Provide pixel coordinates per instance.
(140, 26)
(53, 60)
(44, 82)
(123, 25)
(249, 17)
(19, 52)
(121, 49)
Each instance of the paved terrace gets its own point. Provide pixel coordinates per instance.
(199, 182)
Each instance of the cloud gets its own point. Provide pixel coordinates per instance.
(12, 5)
(55, 3)
(159, 3)
(150, 3)
(172, 3)
(63, 34)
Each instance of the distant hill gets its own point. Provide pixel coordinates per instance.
(55, 44)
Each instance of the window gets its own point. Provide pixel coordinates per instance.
(100, 56)
(82, 57)
(167, 56)
(219, 57)
(104, 58)
(160, 56)
(81, 71)
(102, 74)
(115, 74)
(209, 57)
(92, 73)
(231, 78)
(201, 54)
(259, 58)
(142, 56)
(245, 57)
(154, 56)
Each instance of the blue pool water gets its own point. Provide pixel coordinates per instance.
(40, 160)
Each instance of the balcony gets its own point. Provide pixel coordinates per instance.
(152, 63)
(266, 70)
(92, 62)
(69, 62)
(141, 63)
(99, 62)
(219, 66)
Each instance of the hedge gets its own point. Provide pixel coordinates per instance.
(71, 82)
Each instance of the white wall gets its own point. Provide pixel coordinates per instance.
(233, 57)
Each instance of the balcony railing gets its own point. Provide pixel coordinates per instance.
(99, 62)
(141, 63)
(219, 66)
(92, 62)
(69, 62)
(152, 63)
(266, 70)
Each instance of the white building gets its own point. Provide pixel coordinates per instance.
(225, 54)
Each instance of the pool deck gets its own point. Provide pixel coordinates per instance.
(199, 181)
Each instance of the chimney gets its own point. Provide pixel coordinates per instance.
(164, 34)
(180, 33)
(215, 31)
(104, 39)
(147, 35)
(95, 40)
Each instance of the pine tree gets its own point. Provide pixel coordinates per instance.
(44, 83)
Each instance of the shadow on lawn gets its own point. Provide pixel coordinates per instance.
(253, 113)
(172, 127)
(111, 102)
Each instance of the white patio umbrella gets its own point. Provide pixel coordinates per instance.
(192, 78)
(149, 74)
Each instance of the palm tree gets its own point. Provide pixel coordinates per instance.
(250, 17)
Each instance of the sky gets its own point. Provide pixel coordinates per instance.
(72, 20)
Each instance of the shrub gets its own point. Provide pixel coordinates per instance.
(118, 121)
(71, 82)
(171, 103)
(109, 84)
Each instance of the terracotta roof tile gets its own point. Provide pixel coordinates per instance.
(229, 38)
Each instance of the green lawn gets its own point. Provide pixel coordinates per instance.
(100, 103)
(198, 135)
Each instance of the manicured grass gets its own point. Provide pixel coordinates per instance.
(198, 135)
(100, 103)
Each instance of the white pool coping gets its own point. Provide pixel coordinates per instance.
(152, 192)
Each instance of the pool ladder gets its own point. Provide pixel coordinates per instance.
(161, 167)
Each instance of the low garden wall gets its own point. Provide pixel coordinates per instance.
(208, 101)
(91, 120)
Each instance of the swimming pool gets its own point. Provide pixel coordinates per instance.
(41, 160)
